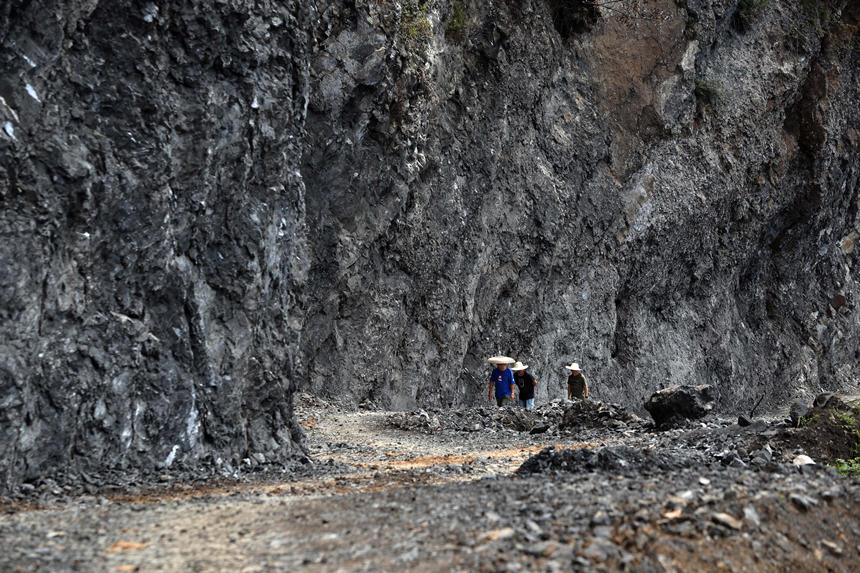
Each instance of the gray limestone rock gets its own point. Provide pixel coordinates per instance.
(663, 204)
(151, 213)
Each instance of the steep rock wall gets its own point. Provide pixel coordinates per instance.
(666, 196)
(151, 216)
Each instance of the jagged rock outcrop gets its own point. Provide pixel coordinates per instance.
(151, 215)
(206, 204)
(666, 199)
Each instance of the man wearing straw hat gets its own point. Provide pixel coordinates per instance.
(576, 384)
(525, 384)
(502, 379)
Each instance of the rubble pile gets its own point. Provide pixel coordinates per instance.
(828, 430)
(586, 414)
(555, 415)
(620, 460)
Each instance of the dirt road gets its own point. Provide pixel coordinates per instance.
(394, 500)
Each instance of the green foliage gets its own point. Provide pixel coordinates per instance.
(850, 422)
(707, 92)
(415, 28)
(747, 12)
(818, 13)
(795, 40)
(848, 468)
(808, 420)
(456, 27)
(846, 419)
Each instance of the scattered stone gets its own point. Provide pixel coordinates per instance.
(533, 527)
(762, 456)
(540, 428)
(802, 460)
(602, 531)
(751, 515)
(673, 406)
(834, 548)
(802, 502)
(727, 520)
(497, 534)
(797, 412)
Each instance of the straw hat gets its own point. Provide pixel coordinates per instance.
(573, 366)
(519, 366)
(501, 360)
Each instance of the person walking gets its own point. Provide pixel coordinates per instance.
(577, 387)
(525, 384)
(502, 381)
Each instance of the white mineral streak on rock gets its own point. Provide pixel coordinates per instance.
(7, 106)
(32, 91)
(10, 130)
(689, 59)
(192, 428)
(171, 456)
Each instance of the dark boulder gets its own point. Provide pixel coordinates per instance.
(672, 406)
(744, 421)
(797, 411)
(822, 399)
(540, 428)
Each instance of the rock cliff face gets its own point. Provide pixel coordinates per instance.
(151, 229)
(666, 196)
(206, 204)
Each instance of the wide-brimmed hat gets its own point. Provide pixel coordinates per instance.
(573, 366)
(519, 366)
(500, 360)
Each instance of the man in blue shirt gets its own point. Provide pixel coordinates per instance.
(503, 380)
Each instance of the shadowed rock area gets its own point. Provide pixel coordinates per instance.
(151, 216)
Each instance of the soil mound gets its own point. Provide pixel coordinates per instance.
(828, 431)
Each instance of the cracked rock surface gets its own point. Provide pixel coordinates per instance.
(151, 215)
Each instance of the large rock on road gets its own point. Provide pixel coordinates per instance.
(674, 405)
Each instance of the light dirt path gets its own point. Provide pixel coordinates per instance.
(395, 500)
